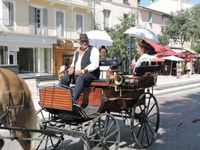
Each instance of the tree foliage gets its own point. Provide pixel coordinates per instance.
(177, 27)
(120, 40)
(184, 26)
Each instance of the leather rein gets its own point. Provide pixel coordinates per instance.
(11, 106)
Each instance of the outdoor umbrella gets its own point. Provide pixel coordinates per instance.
(142, 33)
(157, 59)
(187, 53)
(99, 38)
(189, 59)
(172, 58)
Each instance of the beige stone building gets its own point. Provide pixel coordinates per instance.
(41, 35)
(109, 12)
(29, 28)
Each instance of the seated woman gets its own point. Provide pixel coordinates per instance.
(144, 50)
(106, 62)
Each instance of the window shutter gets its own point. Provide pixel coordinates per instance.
(79, 23)
(45, 17)
(31, 15)
(62, 24)
(5, 13)
(11, 14)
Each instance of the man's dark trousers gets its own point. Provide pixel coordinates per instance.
(80, 82)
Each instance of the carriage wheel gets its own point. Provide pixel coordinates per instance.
(104, 133)
(49, 141)
(43, 117)
(145, 122)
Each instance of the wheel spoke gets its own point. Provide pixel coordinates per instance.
(111, 134)
(108, 129)
(151, 130)
(40, 141)
(151, 108)
(152, 115)
(145, 127)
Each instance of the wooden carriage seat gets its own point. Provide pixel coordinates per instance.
(55, 97)
(100, 83)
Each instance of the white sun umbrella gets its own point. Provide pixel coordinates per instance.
(142, 33)
(98, 38)
(172, 58)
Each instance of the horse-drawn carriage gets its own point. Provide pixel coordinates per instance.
(94, 117)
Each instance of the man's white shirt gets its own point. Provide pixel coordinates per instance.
(94, 59)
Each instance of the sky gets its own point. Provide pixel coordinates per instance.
(147, 2)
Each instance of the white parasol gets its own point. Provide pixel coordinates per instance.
(99, 38)
(142, 33)
(172, 58)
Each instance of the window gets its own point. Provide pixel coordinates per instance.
(79, 23)
(8, 13)
(3, 55)
(60, 23)
(38, 20)
(106, 18)
(125, 2)
(150, 19)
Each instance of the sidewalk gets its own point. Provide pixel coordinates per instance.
(170, 84)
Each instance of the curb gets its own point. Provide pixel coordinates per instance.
(184, 87)
(168, 85)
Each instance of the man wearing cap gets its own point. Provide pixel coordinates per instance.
(84, 67)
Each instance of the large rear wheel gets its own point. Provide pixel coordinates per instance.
(145, 120)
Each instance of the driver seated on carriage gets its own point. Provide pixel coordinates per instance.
(84, 67)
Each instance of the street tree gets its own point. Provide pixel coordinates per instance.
(121, 42)
(194, 25)
(177, 27)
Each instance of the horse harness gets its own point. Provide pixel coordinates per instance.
(11, 106)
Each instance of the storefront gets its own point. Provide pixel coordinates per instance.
(31, 52)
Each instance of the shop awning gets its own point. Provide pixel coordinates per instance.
(162, 50)
(186, 53)
(189, 59)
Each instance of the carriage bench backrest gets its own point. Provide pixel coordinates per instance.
(55, 97)
(139, 71)
(146, 76)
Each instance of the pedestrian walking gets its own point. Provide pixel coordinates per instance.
(179, 69)
(189, 68)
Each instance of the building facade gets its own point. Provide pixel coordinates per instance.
(152, 19)
(41, 35)
(29, 29)
(109, 12)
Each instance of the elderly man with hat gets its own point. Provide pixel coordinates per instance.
(84, 67)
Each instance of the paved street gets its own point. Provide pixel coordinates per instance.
(179, 124)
